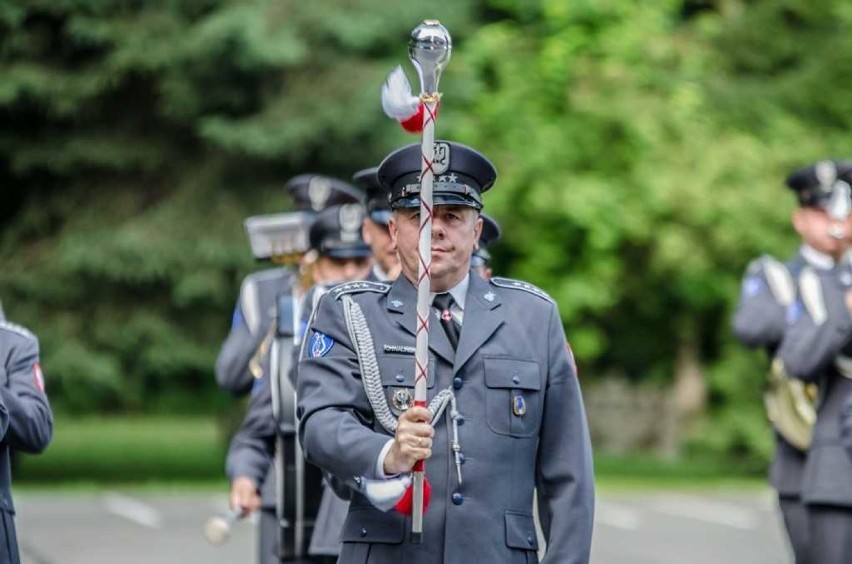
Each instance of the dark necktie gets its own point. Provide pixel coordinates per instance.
(443, 303)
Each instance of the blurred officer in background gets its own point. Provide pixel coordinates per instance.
(255, 308)
(341, 255)
(773, 296)
(480, 261)
(25, 417)
(256, 312)
(511, 414)
(816, 349)
(385, 260)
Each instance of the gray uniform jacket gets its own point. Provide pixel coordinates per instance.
(253, 313)
(760, 321)
(252, 448)
(815, 348)
(512, 344)
(27, 412)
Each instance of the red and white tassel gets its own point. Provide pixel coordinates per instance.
(393, 493)
(400, 104)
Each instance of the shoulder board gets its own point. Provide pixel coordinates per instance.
(358, 287)
(519, 285)
(22, 331)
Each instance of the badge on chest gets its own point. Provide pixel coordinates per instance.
(401, 400)
(519, 404)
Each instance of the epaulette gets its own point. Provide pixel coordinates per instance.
(358, 287)
(22, 331)
(519, 285)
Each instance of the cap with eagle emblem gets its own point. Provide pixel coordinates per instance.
(462, 174)
(336, 232)
(825, 184)
(315, 192)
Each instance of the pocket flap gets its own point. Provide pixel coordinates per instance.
(373, 526)
(520, 530)
(399, 371)
(512, 373)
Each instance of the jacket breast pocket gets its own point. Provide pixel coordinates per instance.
(398, 380)
(513, 396)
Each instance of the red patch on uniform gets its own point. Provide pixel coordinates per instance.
(38, 377)
(571, 356)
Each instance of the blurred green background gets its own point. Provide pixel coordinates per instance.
(641, 150)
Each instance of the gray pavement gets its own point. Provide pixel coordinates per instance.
(636, 527)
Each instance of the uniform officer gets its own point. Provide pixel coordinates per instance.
(819, 520)
(342, 255)
(769, 290)
(26, 411)
(499, 367)
(253, 313)
(480, 261)
(385, 260)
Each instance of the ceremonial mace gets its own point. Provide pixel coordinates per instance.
(217, 529)
(429, 49)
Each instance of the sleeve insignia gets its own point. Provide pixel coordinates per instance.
(320, 345)
(38, 377)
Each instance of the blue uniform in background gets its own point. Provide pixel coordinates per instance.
(25, 416)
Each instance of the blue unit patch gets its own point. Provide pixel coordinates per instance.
(752, 286)
(794, 312)
(237, 319)
(320, 345)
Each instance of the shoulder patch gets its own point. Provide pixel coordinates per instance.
(358, 287)
(321, 345)
(14, 328)
(520, 285)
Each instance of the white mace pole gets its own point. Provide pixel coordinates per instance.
(429, 50)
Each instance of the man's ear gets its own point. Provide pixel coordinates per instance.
(798, 220)
(477, 230)
(366, 233)
(393, 230)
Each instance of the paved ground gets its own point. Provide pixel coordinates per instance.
(631, 527)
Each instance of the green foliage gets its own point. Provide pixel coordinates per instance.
(127, 450)
(135, 139)
(641, 148)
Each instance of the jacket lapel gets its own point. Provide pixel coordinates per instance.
(482, 316)
(402, 307)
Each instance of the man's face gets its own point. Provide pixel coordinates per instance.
(329, 270)
(822, 232)
(455, 231)
(384, 251)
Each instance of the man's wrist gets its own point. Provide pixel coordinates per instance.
(387, 467)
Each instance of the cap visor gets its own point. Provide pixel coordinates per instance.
(346, 252)
(382, 217)
(439, 199)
